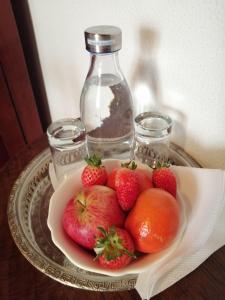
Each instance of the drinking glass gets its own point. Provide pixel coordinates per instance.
(152, 137)
(67, 141)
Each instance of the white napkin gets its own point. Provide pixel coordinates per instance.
(203, 190)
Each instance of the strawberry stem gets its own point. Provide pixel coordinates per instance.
(94, 160)
(81, 199)
(110, 245)
(160, 164)
(129, 165)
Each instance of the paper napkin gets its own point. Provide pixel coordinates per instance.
(203, 192)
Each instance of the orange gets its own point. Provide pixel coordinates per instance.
(154, 220)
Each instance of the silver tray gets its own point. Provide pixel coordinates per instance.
(27, 217)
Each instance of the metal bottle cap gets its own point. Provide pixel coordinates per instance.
(103, 39)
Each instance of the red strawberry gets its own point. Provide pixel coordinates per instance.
(115, 248)
(144, 179)
(94, 172)
(125, 182)
(111, 179)
(164, 178)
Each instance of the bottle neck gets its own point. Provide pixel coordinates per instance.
(104, 64)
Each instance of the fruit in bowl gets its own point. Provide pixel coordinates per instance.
(128, 181)
(114, 248)
(154, 220)
(92, 207)
(97, 233)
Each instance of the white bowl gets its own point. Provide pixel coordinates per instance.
(78, 255)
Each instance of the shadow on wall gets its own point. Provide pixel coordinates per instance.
(145, 81)
(146, 88)
(63, 87)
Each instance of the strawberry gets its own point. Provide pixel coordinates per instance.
(114, 248)
(94, 172)
(112, 179)
(164, 178)
(144, 179)
(125, 182)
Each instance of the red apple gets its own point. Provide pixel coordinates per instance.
(92, 207)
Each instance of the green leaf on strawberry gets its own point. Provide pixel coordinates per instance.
(94, 172)
(129, 165)
(114, 248)
(93, 160)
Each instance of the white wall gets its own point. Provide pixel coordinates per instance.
(180, 43)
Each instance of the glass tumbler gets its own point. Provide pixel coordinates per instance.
(152, 137)
(67, 140)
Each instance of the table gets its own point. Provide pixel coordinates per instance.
(20, 280)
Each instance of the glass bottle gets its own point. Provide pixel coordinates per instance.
(106, 103)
